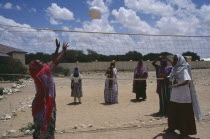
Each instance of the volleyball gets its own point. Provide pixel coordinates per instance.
(94, 12)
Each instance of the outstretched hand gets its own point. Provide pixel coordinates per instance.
(65, 45)
(57, 42)
(173, 86)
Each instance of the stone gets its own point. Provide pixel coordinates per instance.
(10, 90)
(23, 110)
(143, 122)
(1, 97)
(14, 86)
(12, 131)
(82, 125)
(26, 132)
(17, 90)
(22, 103)
(7, 117)
(13, 111)
(206, 114)
(62, 131)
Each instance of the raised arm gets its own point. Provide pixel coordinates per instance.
(57, 59)
(169, 60)
(55, 55)
(154, 62)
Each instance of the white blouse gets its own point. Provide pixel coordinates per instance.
(181, 94)
(76, 79)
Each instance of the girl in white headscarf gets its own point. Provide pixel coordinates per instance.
(183, 102)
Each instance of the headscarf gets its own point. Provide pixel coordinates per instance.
(44, 100)
(179, 67)
(164, 69)
(76, 72)
(140, 70)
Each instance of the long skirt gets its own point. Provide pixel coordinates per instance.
(50, 129)
(181, 117)
(164, 97)
(111, 94)
(76, 90)
(140, 89)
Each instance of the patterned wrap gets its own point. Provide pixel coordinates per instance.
(44, 101)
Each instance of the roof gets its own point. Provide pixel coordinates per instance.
(3, 55)
(7, 50)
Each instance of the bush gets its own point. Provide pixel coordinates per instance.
(61, 71)
(194, 55)
(1, 90)
(30, 127)
(11, 78)
(11, 66)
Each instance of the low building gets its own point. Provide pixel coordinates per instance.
(8, 51)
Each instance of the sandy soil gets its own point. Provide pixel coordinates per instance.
(93, 119)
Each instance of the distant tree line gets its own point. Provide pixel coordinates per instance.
(78, 55)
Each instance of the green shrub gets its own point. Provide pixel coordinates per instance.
(30, 126)
(11, 66)
(61, 71)
(1, 90)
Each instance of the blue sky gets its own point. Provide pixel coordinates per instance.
(174, 17)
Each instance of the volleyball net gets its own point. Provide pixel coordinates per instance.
(92, 51)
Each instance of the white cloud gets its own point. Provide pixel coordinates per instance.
(32, 10)
(25, 38)
(54, 22)
(204, 14)
(101, 43)
(156, 7)
(108, 2)
(8, 6)
(78, 21)
(65, 28)
(130, 20)
(18, 7)
(187, 4)
(56, 13)
(172, 25)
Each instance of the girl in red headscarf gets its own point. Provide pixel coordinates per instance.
(43, 106)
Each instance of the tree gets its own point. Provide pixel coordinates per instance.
(133, 55)
(194, 55)
(165, 54)
(92, 55)
(74, 56)
(40, 56)
(151, 56)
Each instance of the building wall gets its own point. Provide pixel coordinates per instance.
(124, 65)
(20, 56)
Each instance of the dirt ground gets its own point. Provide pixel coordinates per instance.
(93, 119)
